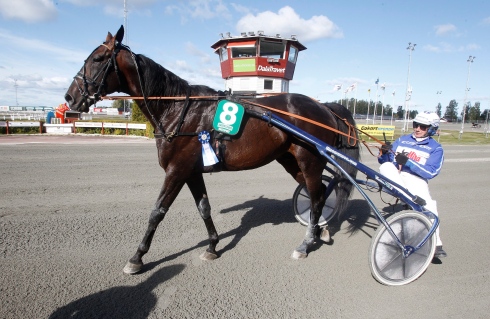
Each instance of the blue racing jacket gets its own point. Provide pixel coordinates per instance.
(425, 156)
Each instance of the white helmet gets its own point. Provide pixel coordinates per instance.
(428, 118)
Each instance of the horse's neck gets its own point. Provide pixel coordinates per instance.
(156, 81)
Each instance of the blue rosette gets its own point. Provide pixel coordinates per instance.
(208, 156)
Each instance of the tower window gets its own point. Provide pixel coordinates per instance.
(268, 84)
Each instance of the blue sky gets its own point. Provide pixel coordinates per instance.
(44, 43)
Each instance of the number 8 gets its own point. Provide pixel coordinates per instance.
(228, 116)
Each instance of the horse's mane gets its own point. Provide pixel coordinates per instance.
(159, 81)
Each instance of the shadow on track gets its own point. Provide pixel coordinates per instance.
(120, 302)
(271, 211)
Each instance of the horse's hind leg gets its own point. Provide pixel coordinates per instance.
(198, 190)
(170, 190)
(316, 190)
(307, 171)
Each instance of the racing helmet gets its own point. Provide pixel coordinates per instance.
(428, 118)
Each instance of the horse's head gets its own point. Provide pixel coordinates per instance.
(98, 75)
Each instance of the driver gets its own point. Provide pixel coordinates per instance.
(416, 159)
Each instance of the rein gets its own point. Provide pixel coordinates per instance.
(304, 119)
(348, 135)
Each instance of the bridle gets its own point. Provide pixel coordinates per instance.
(102, 74)
(99, 85)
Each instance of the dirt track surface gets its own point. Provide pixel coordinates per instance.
(73, 210)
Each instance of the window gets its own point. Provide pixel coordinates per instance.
(268, 84)
(223, 53)
(293, 53)
(243, 52)
(273, 50)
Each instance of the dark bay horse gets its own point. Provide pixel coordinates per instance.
(184, 110)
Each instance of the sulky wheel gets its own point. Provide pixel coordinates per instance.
(301, 204)
(388, 266)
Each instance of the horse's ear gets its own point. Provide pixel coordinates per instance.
(120, 34)
(108, 38)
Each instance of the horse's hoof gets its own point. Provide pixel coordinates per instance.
(325, 235)
(208, 256)
(298, 255)
(132, 268)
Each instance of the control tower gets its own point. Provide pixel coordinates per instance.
(257, 64)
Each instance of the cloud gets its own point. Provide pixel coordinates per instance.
(116, 7)
(287, 22)
(35, 11)
(40, 76)
(239, 8)
(34, 45)
(112, 3)
(30, 11)
(194, 51)
(200, 9)
(440, 47)
(210, 76)
(445, 29)
(446, 47)
(471, 47)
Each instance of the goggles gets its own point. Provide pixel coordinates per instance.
(423, 127)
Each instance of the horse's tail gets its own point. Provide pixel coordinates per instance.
(348, 146)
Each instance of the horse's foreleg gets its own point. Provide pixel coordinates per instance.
(169, 192)
(317, 198)
(198, 190)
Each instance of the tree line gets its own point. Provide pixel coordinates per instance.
(472, 111)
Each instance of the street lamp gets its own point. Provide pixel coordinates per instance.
(440, 115)
(345, 98)
(407, 108)
(470, 60)
(486, 123)
(16, 86)
(383, 105)
(369, 102)
(392, 108)
(376, 103)
(410, 48)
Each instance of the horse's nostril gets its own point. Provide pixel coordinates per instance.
(68, 98)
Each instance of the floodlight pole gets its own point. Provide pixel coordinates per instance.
(369, 102)
(392, 108)
(410, 48)
(355, 102)
(377, 96)
(345, 98)
(16, 86)
(470, 60)
(486, 123)
(383, 105)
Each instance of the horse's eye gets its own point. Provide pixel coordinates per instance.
(97, 58)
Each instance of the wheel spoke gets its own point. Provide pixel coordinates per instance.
(305, 210)
(393, 258)
(305, 195)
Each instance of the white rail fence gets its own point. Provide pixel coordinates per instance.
(71, 127)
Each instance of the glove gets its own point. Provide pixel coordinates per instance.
(385, 148)
(401, 158)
